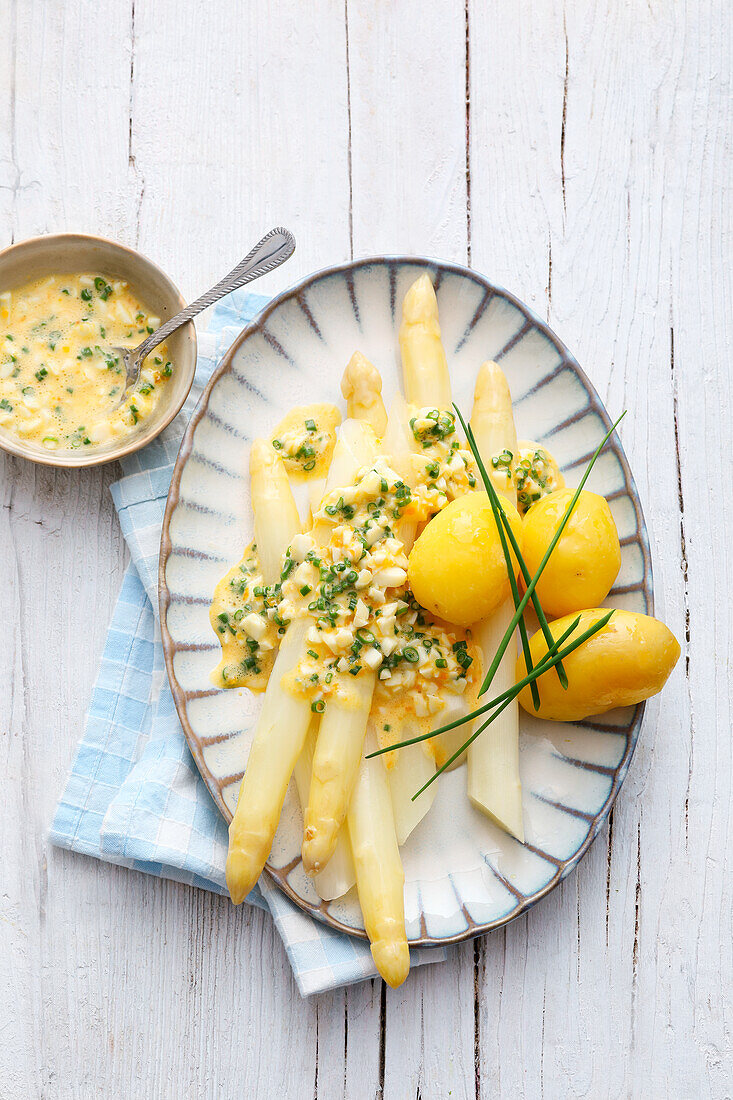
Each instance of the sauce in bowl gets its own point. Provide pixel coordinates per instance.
(60, 381)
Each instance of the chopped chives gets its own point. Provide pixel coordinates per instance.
(539, 668)
(550, 664)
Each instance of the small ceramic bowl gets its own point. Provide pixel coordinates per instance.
(77, 252)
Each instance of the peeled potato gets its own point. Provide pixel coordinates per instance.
(457, 568)
(628, 660)
(587, 558)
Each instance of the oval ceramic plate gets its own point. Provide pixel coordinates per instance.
(463, 876)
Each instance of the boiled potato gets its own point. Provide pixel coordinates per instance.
(457, 568)
(626, 661)
(587, 558)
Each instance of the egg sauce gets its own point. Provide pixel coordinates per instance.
(59, 378)
(248, 633)
(305, 440)
(354, 589)
(533, 471)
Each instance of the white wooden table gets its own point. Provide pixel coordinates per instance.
(577, 153)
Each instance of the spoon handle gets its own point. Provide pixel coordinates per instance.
(277, 246)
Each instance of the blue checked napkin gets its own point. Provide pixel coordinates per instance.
(134, 796)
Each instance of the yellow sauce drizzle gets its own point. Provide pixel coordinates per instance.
(533, 470)
(60, 380)
(305, 439)
(241, 617)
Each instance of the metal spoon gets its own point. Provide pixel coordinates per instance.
(274, 248)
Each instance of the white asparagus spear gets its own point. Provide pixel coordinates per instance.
(398, 438)
(380, 879)
(412, 767)
(426, 382)
(361, 386)
(338, 876)
(276, 519)
(338, 753)
(278, 742)
(424, 366)
(408, 814)
(276, 522)
(446, 744)
(335, 765)
(356, 446)
(494, 785)
(283, 723)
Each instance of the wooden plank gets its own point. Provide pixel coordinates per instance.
(61, 550)
(602, 980)
(69, 98)
(9, 175)
(348, 1050)
(54, 526)
(686, 926)
(241, 132)
(408, 111)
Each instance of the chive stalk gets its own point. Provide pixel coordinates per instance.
(544, 626)
(553, 543)
(498, 510)
(499, 515)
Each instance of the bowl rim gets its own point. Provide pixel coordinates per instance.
(10, 446)
(438, 268)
